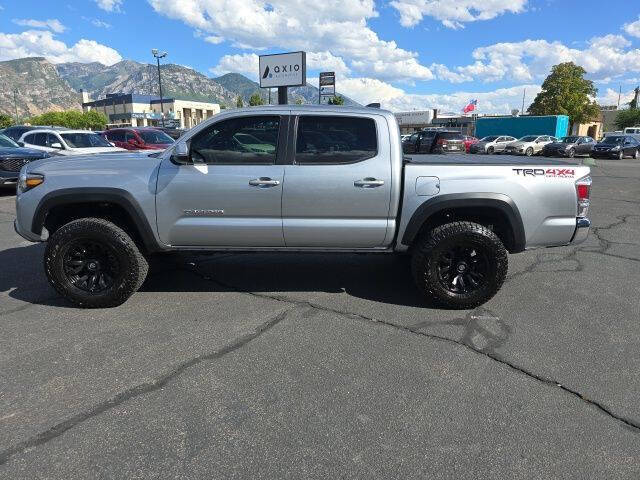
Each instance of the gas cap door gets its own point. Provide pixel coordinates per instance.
(427, 186)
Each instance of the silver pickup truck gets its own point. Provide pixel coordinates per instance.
(297, 179)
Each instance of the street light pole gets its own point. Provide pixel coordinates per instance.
(158, 56)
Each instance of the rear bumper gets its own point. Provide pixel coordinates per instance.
(582, 231)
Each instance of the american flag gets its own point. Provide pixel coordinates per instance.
(471, 106)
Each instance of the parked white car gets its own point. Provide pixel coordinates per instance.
(67, 142)
(529, 145)
(491, 144)
(633, 132)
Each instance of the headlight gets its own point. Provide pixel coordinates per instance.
(27, 181)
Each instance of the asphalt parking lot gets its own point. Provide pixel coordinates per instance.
(314, 366)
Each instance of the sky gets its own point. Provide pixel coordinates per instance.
(405, 54)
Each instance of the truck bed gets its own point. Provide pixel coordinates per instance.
(463, 159)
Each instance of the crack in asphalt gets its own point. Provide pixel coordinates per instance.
(416, 331)
(546, 258)
(138, 390)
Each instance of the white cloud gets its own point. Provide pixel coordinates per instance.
(610, 97)
(99, 23)
(213, 39)
(603, 57)
(633, 28)
(325, 61)
(339, 26)
(52, 24)
(41, 43)
(453, 14)
(109, 5)
(244, 63)
(503, 100)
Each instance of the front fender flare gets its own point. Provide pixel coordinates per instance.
(117, 196)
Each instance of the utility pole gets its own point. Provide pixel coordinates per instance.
(619, 95)
(158, 56)
(15, 103)
(523, 95)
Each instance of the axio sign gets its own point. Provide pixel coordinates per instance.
(283, 70)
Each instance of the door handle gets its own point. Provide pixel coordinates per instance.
(264, 182)
(368, 182)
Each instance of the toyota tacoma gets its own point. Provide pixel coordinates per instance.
(297, 179)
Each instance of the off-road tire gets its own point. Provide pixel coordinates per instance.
(133, 266)
(428, 249)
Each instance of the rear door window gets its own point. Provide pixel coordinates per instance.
(335, 139)
(39, 139)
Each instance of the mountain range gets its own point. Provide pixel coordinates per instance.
(34, 85)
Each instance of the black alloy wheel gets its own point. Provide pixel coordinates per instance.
(90, 265)
(463, 268)
(571, 153)
(459, 265)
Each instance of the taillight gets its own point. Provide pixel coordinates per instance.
(583, 191)
(441, 141)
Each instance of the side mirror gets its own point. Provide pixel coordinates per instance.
(20, 143)
(56, 145)
(180, 155)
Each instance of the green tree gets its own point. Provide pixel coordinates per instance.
(336, 100)
(566, 92)
(299, 101)
(628, 118)
(239, 102)
(72, 119)
(5, 120)
(256, 100)
(94, 120)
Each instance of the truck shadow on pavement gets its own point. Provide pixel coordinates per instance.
(22, 277)
(380, 278)
(376, 277)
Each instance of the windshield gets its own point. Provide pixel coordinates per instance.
(84, 140)
(613, 140)
(7, 142)
(569, 139)
(489, 139)
(155, 137)
(528, 138)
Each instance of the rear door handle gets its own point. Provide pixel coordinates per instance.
(368, 182)
(264, 182)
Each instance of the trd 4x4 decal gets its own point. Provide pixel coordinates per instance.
(549, 172)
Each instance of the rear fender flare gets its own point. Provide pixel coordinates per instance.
(498, 201)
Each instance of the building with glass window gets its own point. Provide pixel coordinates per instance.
(133, 110)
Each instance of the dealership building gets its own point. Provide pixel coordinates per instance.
(131, 109)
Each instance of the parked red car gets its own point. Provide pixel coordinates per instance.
(138, 138)
(468, 141)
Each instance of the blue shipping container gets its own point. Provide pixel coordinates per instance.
(554, 125)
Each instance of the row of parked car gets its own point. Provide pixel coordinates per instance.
(442, 141)
(20, 144)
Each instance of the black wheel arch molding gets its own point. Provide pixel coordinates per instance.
(441, 203)
(97, 195)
